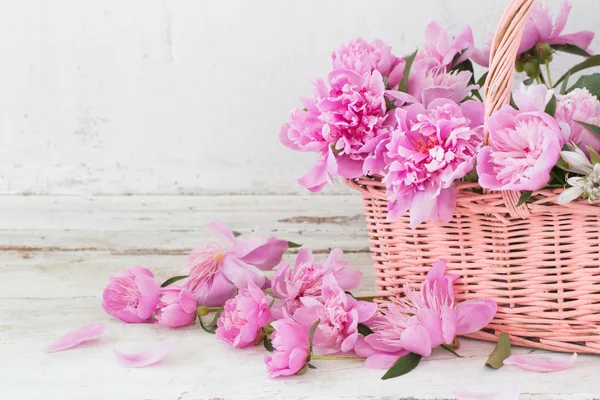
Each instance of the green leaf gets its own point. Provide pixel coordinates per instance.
(403, 366)
(528, 81)
(403, 86)
(595, 129)
(593, 61)
(563, 87)
(450, 350)
(500, 353)
(590, 82)
(311, 366)
(551, 106)
(210, 327)
(173, 280)
(571, 49)
(268, 344)
(594, 157)
(292, 245)
(512, 103)
(562, 164)
(482, 79)
(311, 335)
(524, 197)
(364, 330)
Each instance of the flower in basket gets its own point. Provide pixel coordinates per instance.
(429, 149)
(575, 107)
(346, 119)
(541, 36)
(218, 269)
(525, 147)
(338, 314)
(423, 320)
(444, 49)
(587, 185)
(305, 279)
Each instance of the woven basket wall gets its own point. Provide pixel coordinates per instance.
(539, 261)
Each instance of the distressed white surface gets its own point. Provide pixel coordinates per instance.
(52, 283)
(186, 96)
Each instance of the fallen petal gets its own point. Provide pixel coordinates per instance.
(539, 364)
(508, 394)
(147, 357)
(89, 331)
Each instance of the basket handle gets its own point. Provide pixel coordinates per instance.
(498, 85)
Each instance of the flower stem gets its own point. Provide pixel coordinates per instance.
(548, 74)
(366, 298)
(314, 357)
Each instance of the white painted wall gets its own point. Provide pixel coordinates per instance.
(171, 97)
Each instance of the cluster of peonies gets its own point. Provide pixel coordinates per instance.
(304, 312)
(416, 123)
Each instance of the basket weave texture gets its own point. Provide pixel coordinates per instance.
(539, 261)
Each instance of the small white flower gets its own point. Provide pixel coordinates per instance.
(587, 186)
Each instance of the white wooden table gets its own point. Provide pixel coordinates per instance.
(56, 254)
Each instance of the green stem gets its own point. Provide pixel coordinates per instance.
(314, 357)
(550, 86)
(538, 80)
(366, 298)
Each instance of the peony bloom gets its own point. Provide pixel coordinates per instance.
(131, 295)
(532, 98)
(426, 319)
(526, 146)
(217, 270)
(306, 278)
(441, 47)
(429, 81)
(540, 28)
(579, 105)
(244, 316)
(290, 341)
(431, 148)
(338, 314)
(176, 307)
(344, 124)
(364, 58)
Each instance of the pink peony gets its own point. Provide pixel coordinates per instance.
(424, 320)
(306, 279)
(217, 270)
(580, 105)
(343, 124)
(290, 341)
(430, 148)
(131, 295)
(364, 58)
(338, 314)
(441, 47)
(540, 28)
(429, 81)
(244, 316)
(176, 307)
(526, 146)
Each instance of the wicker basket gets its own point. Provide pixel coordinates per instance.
(539, 261)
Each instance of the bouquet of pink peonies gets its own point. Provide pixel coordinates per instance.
(416, 122)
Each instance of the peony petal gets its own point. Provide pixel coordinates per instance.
(216, 291)
(187, 301)
(266, 256)
(416, 340)
(149, 356)
(84, 333)
(238, 272)
(473, 315)
(366, 310)
(421, 208)
(511, 393)
(321, 173)
(437, 271)
(539, 364)
(381, 360)
(219, 230)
